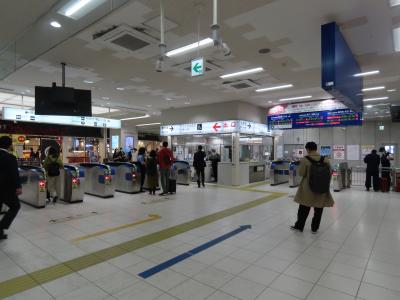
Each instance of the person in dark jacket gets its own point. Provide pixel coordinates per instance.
(385, 162)
(215, 159)
(141, 159)
(199, 164)
(152, 172)
(373, 161)
(10, 185)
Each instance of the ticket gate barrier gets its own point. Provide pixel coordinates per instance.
(279, 172)
(33, 181)
(98, 180)
(341, 177)
(72, 184)
(126, 177)
(183, 172)
(294, 176)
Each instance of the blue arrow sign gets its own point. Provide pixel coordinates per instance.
(173, 261)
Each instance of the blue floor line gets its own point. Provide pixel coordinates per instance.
(173, 261)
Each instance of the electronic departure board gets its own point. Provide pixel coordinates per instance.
(339, 117)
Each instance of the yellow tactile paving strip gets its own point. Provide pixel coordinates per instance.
(22, 283)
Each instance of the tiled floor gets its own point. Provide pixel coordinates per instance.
(356, 254)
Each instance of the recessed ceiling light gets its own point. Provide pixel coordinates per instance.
(369, 106)
(149, 105)
(394, 3)
(28, 91)
(55, 24)
(295, 98)
(201, 44)
(148, 124)
(120, 88)
(135, 118)
(396, 39)
(105, 98)
(376, 88)
(369, 73)
(168, 99)
(391, 91)
(376, 99)
(273, 88)
(245, 72)
(187, 103)
(108, 103)
(88, 81)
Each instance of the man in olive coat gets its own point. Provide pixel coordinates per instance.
(307, 198)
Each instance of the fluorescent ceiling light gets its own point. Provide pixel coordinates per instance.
(391, 91)
(55, 24)
(396, 39)
(376, 99)
(273, 88)
(88, 81)
(120, 88)
(136, 118)
(376, 88)
(394, 3)
(187, 103)
(369, 73)
(149, 124)
(201, 44)
(105, 98)
(245, 72)
(295, 98)
(369, 106)
(76, 9)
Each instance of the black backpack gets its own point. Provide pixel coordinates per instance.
(53, 169)
(320, 176)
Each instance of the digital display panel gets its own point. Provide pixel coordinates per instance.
(340, 117)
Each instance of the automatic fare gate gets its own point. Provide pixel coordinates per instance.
(294, 176)
(98, 181)
(33, 181)
(72, 184)
(126, 177)
(279, 172)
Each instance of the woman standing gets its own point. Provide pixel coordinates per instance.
(141, 159)
(152, 172)
(52, 165)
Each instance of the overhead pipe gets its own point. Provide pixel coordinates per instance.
(223, 47)
(162, 45)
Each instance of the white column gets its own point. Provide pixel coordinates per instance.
(235, 158)
(169, 140)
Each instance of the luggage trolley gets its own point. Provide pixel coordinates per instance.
(72, 184)
(279, 172)
(125, 176)
(33, 181)
(294, 177)
(98, 180)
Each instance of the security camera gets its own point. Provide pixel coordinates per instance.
(225, 49)
(160, 64)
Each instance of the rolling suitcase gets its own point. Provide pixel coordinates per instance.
(172, 186)
(384, 182)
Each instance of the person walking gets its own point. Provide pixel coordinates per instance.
(215, 159)
(52, 165)
(141, 159)
(314, 189)
(165, 161)
(10, 185)
(199, 164)
(152, 172)
(373, 161)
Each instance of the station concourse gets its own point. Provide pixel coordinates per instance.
(114, 108)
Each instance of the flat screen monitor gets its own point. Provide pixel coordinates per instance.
(63, 101)
(395, 112)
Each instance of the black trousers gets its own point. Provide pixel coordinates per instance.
(200, 176)
(142, 177)
(375, 180)
(215, 170)
(14, 206)
(302, 215)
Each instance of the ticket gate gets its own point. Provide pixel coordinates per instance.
(294, 177)
(72, 184)
(183, 172)
(98, 180)
(125, 176)
(33, 181)
(341, 177)
(279, 172)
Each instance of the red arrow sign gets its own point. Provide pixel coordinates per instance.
(216, 127)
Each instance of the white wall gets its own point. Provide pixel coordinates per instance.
(233, 110)
(368, 134)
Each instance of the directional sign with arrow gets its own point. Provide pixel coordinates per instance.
(197, 68)
(216, 127)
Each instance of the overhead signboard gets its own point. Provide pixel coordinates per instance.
(22, 115)
(197, 67)
(339, 117)
(217, 127)
(306, 107)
